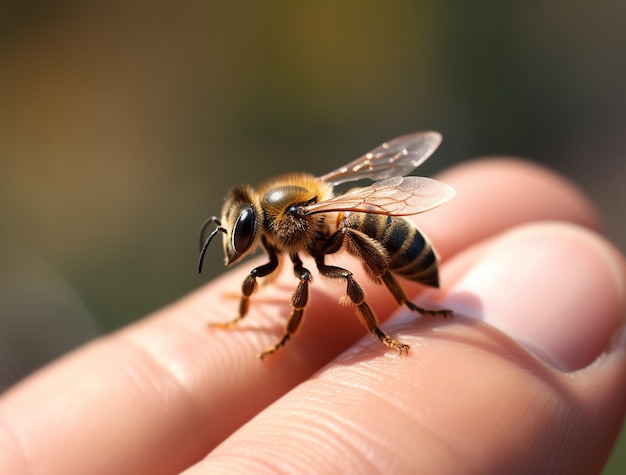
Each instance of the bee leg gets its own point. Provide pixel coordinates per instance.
(298, 302)
(364, 312)
(249, 286)
(372, 253)
(398, 293)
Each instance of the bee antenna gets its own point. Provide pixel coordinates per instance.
(204, 246)
(211, 220)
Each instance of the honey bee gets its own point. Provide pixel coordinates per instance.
(298, 213)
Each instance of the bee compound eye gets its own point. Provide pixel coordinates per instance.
(244, 230)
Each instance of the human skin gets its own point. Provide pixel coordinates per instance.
(528, 377)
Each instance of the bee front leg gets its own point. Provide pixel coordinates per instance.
(364, 312)
(249, 286)
(299, 300)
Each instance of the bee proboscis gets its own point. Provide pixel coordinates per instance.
(298, 213)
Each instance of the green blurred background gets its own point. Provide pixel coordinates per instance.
(123, 123)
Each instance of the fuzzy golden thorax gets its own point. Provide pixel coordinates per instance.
(282, 199)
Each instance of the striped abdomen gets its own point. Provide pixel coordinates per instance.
(410, 253)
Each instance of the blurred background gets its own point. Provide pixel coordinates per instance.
(123, 123)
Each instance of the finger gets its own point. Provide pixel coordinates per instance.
(165, 391)
(469, 399)
(496, 194)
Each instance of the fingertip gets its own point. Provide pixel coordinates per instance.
(494, 194)
(556, 288)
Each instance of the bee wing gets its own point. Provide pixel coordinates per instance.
(394, 158)
(397, 196)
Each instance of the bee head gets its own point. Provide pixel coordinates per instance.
(240, 220)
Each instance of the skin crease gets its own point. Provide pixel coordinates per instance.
(165, 394)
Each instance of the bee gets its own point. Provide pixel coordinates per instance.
(298, 213)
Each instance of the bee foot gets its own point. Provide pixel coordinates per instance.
(401, 348)
(272, 349)
(444, 313)
(229, 324)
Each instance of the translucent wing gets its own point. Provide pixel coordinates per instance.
(394, 158)
(397, 196)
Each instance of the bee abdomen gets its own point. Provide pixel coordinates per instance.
(410, 254)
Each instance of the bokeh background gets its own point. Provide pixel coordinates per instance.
(123, 123)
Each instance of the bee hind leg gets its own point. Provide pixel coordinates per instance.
(364, 312)
(398, 293)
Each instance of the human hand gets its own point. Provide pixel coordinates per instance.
(527, 378)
